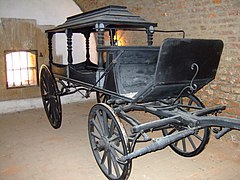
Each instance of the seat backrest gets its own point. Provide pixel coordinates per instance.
(176, 57)
(182, 61)
(134, 69)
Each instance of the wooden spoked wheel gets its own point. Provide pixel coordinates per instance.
(50, 97)
(108, 141)
(194, 144)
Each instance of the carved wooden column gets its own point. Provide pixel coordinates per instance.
(87, 36)
(69, 45)
(149, 39)
(100, 30)
(112, 33)
(50, 56)
(150, 32)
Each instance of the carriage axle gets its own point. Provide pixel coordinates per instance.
(158, 144)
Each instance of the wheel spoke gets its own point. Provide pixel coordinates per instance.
(50, 115)
(97, 127)
(104, 99)
(181, 100)
(115, 133)
(191, 142)
(56, 111)
(189, 104)
(112, 127)
(94, 147)
(175, 144)
(117, 157)
(44, 85)
(114, 138)
(95, 135)
(198, 137)
(104, 157)
(109, 163)
(101, 95)
(172, 131)
(45, 96)
(105, 123)
(184, 145)
(54, 115)
(100, 120)
(114, 153)
(50, 108)
(47, 103)
(117, 149)
(115, 165)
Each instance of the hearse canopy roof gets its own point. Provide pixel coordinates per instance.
(109, 16)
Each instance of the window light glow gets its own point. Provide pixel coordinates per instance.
(118, 38)
(21, 69)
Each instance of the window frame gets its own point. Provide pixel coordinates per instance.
(36, 68)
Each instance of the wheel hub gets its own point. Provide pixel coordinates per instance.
(106, 143)
(103, 144)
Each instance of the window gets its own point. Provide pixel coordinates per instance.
(21, 68)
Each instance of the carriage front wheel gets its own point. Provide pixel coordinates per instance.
(50, 97)
(194, 144)
(108, 141)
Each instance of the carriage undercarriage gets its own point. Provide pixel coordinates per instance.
(160, 81)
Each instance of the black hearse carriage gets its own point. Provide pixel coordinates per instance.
(160, 80)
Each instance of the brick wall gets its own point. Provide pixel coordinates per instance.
(214, 19)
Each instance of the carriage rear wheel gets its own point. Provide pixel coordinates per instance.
(194, 144)
(108, 141)
(50, 97)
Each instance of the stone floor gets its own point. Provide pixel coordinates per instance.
(31, 150)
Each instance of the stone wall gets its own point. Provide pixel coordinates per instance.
(20, 34)
(214, 19)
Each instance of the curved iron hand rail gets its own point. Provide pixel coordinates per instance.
(192, 87)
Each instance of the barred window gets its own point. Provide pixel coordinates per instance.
(21, 68)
